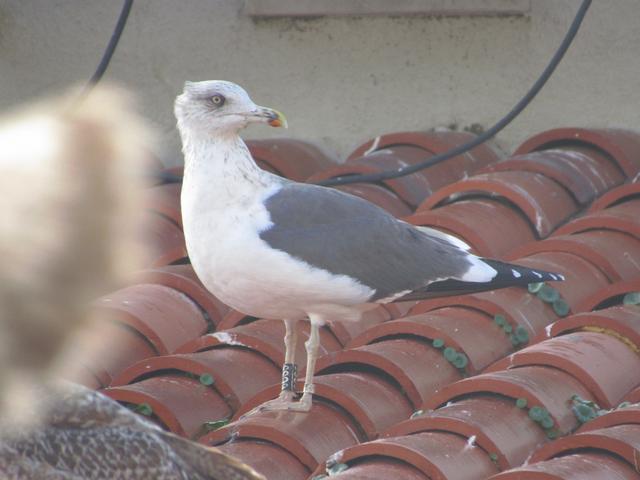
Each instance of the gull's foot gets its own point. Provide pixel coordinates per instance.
(284, 403)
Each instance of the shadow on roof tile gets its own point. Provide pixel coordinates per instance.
(180, 402)
(581, 466)
(605, 365)
(164, 316)
(584, 176)
(545, 203)
(310, 437)
(402, 360)
(274, 462)
(373, 402)
(396, 150)
(495, 423)
(183, 279)
(264, 336)
(541, 386)
(468, 331)
(619, 146)
(611, 251)
(436, 454)
(617, 195)
(237, 374)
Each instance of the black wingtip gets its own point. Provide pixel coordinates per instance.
(507, 275)
(519, 275)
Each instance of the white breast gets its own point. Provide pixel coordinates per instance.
(223, 215)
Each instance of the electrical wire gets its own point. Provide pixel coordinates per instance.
(491, 132)
(111, 48)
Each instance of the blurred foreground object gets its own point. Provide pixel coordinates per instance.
(70, 177)
(87, 435)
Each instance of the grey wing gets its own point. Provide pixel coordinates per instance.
(347, 235)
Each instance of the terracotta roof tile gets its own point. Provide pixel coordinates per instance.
(503, 366)
(480, 222)
(580, 466)
(397, 150)
(168, 394)
(237, 374)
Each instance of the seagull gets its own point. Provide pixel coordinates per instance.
(270, 247)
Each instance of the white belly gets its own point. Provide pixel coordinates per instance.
(244, 272)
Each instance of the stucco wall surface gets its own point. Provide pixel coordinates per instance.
(339, 80)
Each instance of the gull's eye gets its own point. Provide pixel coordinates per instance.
(217, 100)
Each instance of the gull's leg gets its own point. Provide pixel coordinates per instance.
(290, 367)
(312, 354)
(285, 400)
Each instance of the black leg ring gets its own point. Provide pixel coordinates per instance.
(289, 376)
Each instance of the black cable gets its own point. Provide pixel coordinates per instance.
(491, 132)
(111, 47)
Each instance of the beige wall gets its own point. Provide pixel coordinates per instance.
(339, 80)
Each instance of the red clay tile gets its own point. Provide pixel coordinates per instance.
(233, 318)
(620, 320)
(581, 466)
(620, 440)
(601, 362)
(624, 217)
(584, 176)
(183, 279)
(122, 346)
(469, 331)
(609, 296)
(494, 422)
(434, 143)
(517, 305)
(614, 253)
(619, 146)
(381, 196)
(372, 402)
(397, 150)
(237, 373)
(163, 241)
(540, 386)
(346, 331)
(627, 415)
(164, 316)
(617, 195)
(582, 279)
(403, 360)
(311, 437)
(165, 200)
(438, 455)
(181, 403)
(398, 309)
(543, 201)
(264, 336)
(289, 158)
(412, 189)
(482, 223)
(634, 396)
(370, 468)
(272, 461)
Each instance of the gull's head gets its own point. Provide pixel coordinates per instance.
(219, 107)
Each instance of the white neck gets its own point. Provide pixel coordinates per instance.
(219, 171)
